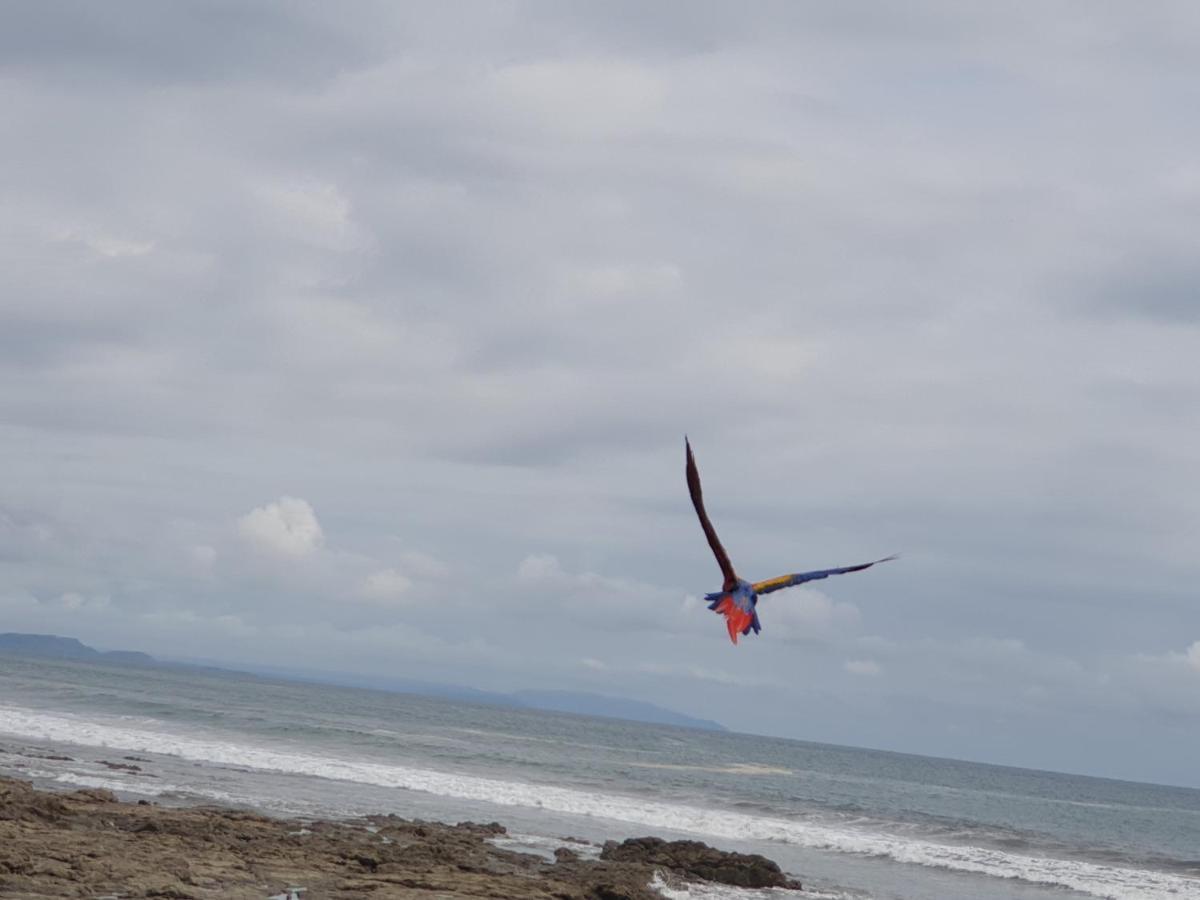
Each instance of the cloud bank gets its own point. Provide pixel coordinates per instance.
(914, 279)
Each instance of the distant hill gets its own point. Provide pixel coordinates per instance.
(577, 702)
(51, 646)
(54, 647)
(611, 707)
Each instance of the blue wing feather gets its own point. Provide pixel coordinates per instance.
(778, 584)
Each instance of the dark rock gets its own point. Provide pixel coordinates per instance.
(53, 868)
(370, 862)
(93, 795)
(169, 891)
(119, 767)
(614, 892)
(696, 860)
(482, 828)
(19, 802)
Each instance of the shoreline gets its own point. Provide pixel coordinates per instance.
(87, 843)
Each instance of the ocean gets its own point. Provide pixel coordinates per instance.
(851, 823)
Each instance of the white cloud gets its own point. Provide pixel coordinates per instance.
(387, 586)
(863, 667)
(988, 648)
(75, 601)
(539, 567)
(105, 245)
(287, 527)
(72, 600)
(699, 673)
(806, 614)
(609, 282)
(115, 247)
(581, 98)
(615, 604)
(312, 213)
(423, 565)
(186, 620)
(235, 626)
(1189, 658)
(394, 584)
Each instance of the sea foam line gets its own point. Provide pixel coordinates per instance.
(673, 891)
(1113, 882)
(150, 789)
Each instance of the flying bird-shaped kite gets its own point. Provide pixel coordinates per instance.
(737, 600)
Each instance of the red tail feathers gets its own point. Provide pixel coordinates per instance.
(737, 620)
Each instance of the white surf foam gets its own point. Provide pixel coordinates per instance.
(542, 846)
(674, 891)
(1112, 882)
(731, 769)
(150, 789)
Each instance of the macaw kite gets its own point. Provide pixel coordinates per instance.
(737, 600)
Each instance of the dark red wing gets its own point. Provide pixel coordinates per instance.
(693, 482)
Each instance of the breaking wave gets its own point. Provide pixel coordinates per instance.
(1099, 880)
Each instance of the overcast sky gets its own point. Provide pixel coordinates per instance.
(365, 337)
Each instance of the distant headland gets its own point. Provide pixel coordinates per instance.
(52, 646)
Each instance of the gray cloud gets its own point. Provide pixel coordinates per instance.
(914, 279)
(143, 44)
(1160, 288)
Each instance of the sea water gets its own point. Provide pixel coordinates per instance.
(851, 823)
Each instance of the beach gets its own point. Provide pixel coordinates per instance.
(241, 752)
(87, 843)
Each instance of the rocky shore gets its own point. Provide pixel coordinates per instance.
(88, 844)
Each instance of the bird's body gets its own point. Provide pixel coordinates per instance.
(737, 600)
(739, 607)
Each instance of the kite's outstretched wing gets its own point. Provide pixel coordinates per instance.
(693, 482)
(786, 581)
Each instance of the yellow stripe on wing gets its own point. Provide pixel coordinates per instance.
(771, 584)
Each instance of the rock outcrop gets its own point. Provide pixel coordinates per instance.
(87, 844)
(695, 861)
